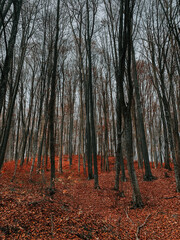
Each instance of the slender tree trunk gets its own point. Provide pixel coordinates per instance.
(91, 101)
(70, 131)
(88, 136)
(160, 144)
(27, 126)
(9, 53)
(12, 103)
(4, 10)
(113, 114)
(40, 149)
(62, 124)
(106, 145)
(29, 153)
(71, 120)
(166, 144)
(16, 148)
(165, 128)
(148, 175)
(175, 127)
(138, 146)
(137, 201)
(119, 155)
(52, 104)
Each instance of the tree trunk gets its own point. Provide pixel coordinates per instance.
(52, 104)
(148, 175)
(91, 101)
(16, 151)
(9, 52)
(138, 144)
(136, 199)
(62, 124)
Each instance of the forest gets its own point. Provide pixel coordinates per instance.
(90, 119)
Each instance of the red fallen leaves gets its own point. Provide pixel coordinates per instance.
(78, 211)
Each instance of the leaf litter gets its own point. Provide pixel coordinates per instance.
(78, 211)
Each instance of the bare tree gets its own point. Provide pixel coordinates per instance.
(52, 103)
(9, 51)
(89, 34)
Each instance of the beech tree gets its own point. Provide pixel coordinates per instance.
(6, 69)
(161, 68)
(89, 89)
(122, 48)
(140, 122)
(52, 103)
(9, 46)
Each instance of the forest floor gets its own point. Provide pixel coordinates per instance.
(78, 211)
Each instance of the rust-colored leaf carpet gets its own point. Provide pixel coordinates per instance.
(78, 211)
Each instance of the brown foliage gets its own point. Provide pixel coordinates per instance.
(78, 211)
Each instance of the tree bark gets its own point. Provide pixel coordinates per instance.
(52, 104)
(91, 102)
(143, 145)
(9, 51)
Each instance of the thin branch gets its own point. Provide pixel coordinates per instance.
(141, 226)
(128, 217)
(171, 197)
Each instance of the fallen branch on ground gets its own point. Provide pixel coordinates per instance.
(52, 226)
(171, 197)
(128, 217)
(140, 226)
